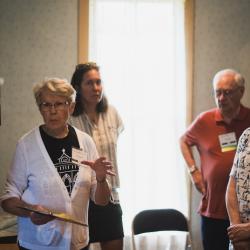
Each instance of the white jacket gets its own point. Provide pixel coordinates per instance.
(34, 179)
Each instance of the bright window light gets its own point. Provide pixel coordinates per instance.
(139, 45)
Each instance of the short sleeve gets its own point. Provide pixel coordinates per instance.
(114, 119)
(240, 152)
(120, 126)
(192, 133)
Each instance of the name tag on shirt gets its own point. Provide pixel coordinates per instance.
(78, 156)
(228, 142)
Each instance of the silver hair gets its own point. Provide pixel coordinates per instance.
(238, 78)
(57, 86)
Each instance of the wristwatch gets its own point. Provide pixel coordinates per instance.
(192, 169)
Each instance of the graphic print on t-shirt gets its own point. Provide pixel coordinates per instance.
(60, 152)
(67, 170)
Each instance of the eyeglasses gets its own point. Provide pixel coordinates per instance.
(225, 92)
(46, 106)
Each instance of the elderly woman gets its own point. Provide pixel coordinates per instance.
(44, 176)
(102, 122)
(238, 196)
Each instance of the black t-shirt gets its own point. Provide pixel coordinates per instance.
(60, 152)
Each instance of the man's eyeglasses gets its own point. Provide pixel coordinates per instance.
(225, 92)
(46, 106)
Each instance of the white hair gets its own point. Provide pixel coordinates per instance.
(238, 78)
(57, 86)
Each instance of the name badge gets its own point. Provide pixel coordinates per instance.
(228, 142)
(78, 156)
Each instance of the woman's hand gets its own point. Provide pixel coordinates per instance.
(101, 168)
(239, 232)
(40, 219)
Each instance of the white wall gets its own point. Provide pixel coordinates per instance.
(222, 40)
(38, 38)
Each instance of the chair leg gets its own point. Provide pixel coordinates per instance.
(189, 242)
(133, 242)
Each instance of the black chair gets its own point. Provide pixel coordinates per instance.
(159, 220)
(8, 240)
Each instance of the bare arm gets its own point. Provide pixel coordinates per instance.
(12, 206)
(238, 232)
(102, 193)
(101, 168)
(232, 202)
(196, 176)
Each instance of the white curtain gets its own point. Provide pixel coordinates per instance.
(139, 45)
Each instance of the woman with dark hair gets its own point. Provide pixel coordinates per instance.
(101, 121)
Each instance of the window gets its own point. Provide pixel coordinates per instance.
(140, 47)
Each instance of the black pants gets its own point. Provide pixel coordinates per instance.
(214, 233)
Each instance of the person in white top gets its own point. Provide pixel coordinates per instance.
(102, 122)
(238, 196)
(56, 168)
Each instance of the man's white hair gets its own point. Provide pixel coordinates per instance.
(238, 78)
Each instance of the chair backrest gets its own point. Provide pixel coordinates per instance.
(159, 220)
